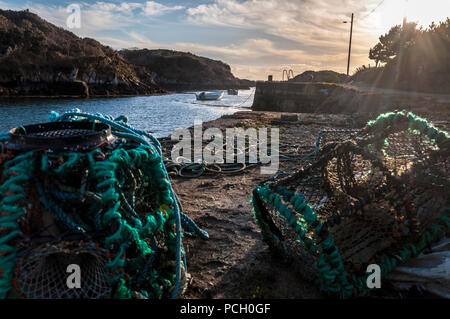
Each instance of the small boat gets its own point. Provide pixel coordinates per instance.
(209, 96)
(232, 92)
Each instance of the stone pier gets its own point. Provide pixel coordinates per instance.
(308, 97)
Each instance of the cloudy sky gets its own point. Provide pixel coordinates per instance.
(256, 37)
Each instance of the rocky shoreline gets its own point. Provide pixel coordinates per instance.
(75, 89)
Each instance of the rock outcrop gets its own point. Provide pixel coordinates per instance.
(174, 70)
(38, 58)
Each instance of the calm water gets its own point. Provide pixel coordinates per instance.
(159, 114)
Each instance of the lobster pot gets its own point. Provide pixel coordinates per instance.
(328, 136)
(86, 212)
(377, 197)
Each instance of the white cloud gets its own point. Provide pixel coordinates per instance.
(149, 8)
(152, 8)
(107, 6)
(312, 23)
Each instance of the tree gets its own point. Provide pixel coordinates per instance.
(378, 54)
(392, 43)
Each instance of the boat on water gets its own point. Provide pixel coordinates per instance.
(209, 96)
(232, 92)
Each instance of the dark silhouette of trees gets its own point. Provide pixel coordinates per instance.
(413, 59)
(394, 42)
(378, 54)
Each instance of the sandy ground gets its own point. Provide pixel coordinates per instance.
(234, 262)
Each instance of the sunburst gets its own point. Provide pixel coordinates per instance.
(392, 12)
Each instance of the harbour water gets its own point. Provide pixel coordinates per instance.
(158, 114)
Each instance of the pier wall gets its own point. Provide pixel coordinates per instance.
(290, 96)
(302, 97)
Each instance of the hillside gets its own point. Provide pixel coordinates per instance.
(174, 70)
(320, 76)
(38, 58)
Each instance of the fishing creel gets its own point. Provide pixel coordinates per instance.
(378, 197)
(91, 192)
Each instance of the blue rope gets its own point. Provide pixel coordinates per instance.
(3, 137)
(57, 212)
(191, 225)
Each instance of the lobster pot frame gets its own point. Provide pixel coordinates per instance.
(379, 197)
(328, 136)
(89, 191)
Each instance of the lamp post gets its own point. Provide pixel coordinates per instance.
(350, 44)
